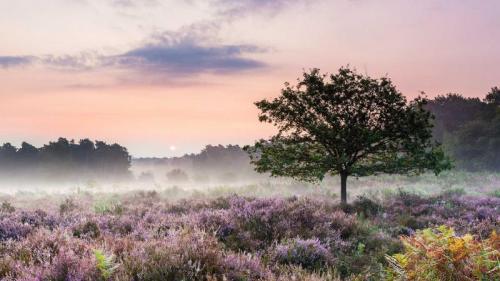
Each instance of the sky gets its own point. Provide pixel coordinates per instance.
(165, 78)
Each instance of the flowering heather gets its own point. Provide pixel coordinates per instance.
(142, 236)
(467, 214)
(310, 253)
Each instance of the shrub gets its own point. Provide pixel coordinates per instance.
(244, 267)
(89, 229)
(310, 254)
(366, 207)
(12, 229)
(496, 193)
(177, 175)
(255, 224)
(38, 218)
(108, 207)
(67, 206)
(182, 255)
(438, 254)
(6, 207)
(68, 266)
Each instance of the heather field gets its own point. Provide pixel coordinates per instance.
(436, 229)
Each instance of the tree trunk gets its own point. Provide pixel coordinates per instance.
(343, 188)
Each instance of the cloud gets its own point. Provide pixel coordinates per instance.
(191, 50)
(133, 3)
(84, 86)
(82, 61)
(188, 54)
(11, 61)
(184, 53)
(236, 8)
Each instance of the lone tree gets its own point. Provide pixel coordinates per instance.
(347, 124)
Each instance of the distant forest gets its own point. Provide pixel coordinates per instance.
(65, 160)
(215, 162)
(469, 129)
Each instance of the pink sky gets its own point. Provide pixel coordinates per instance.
(153, 75)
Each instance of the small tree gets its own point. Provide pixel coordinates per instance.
(350, 125)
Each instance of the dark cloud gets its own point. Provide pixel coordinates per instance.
(10, 61)
(170, 55)
(190, 50)
(183, 58)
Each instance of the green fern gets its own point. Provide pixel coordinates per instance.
(105, 264)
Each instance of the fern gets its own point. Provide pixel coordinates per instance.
(439, 254)
(105, 264)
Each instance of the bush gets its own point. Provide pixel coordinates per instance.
(12, 229)
(6, 207)
(181, 255)
(438, 254)
(108, 207)
(177, 175)
(146, 177)
(67, 206)
(255, 224)
(88, 229)
(366, 207)
(310, 254)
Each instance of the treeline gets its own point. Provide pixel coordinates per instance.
(65, 160)
(469, 129)
(214, 162)
(211, 158)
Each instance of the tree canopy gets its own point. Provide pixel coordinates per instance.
(65, 160)
(469, 129)
(347, 124)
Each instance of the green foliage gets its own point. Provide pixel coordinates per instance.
(347, 124)
(440, 255)
(477, 145)
(366, 207)
(469, 128)
(495, 193)
(105, 264)
(65, 160)
(108, 206)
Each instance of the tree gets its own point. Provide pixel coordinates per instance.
(452, 111)
(493, 97)
(346, 124)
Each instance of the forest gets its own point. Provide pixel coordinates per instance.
(65, 160)
(469, 128)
